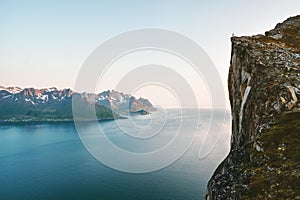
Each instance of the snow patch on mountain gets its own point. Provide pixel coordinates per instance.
(29, 100)
(52, 89)
(42, 97)
(12, 90)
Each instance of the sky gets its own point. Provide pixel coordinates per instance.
(45, 43)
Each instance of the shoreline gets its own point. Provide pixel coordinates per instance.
(39, 122)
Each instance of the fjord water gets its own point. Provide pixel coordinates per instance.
(48, 161)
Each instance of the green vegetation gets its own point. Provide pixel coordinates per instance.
(275, 172)
(16, 112)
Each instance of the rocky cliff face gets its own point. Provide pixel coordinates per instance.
(264, 89)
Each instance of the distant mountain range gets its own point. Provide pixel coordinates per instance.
(51, 104)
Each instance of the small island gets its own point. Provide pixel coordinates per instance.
(140, 112)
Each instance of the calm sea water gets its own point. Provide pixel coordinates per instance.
(48, 161)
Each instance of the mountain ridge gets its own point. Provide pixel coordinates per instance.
(52, 104)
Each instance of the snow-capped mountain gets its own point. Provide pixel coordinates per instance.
(120, 102)
(54, 103)
(12, 90)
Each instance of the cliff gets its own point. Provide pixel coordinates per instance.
(264, 92)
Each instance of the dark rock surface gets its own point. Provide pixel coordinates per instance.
(264, 86)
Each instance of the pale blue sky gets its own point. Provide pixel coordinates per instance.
(44, 43)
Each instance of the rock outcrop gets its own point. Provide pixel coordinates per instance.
(264, 92)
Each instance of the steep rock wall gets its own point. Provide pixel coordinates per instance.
(264, 84)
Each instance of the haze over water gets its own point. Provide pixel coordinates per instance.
(48, 161)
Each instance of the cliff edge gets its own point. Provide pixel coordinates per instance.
(264, 92)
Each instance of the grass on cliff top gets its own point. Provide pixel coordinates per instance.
(276, 170)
